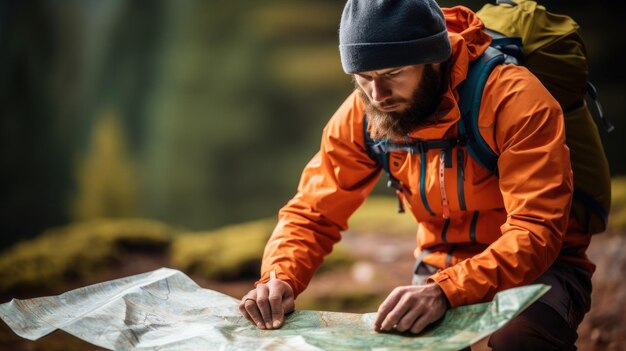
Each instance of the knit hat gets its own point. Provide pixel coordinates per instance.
(378, 34)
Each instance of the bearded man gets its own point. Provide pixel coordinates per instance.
(477, 233)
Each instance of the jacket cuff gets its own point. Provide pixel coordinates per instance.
(268, 275)
(448, 287)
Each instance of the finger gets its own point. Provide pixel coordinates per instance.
(242, 305)
(242, 310)
(396, 314)
(386, 307)
(262, 302)
(253, 311)
(276, 304)
(422, 322)
(409, 318)
(430, 315)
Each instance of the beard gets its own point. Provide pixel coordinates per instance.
(422, 106)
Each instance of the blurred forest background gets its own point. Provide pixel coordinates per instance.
(194, 113)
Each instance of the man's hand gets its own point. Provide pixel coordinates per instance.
(267, 305)
(411, 308)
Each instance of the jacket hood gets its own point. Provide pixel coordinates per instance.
(468, 41)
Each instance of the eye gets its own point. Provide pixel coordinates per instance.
(363, 77)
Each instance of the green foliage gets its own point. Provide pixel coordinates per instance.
(305, 68)
(222, 103)
(235, 252)
(289, 21)
(76, 251)
(230, 252)
(617, 218)
(86, 250)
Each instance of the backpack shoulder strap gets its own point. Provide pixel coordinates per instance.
(382, 158)
(470, 96)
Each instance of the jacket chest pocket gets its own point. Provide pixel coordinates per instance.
(434, 181)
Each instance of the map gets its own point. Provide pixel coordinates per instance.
(166, 310)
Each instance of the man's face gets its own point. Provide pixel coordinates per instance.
(401, 99)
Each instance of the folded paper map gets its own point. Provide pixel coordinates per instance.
(166, 310)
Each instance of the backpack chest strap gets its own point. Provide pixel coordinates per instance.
(419, 146)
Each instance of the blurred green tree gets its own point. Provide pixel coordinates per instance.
(107, 176)
(221, 103)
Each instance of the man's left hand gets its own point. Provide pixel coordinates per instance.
(411, 308)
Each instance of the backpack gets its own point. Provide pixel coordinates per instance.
(551, 47)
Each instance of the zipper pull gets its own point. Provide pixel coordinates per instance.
(394, 183)
(400, 196)
(446, 209)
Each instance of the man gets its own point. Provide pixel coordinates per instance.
(478, 234)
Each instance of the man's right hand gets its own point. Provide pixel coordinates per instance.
(267, 305)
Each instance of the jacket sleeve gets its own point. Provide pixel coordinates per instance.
(536, 184)
(332, 186)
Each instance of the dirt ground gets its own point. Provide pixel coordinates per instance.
(382, 263)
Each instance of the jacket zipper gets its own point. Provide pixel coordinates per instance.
(423, 183)
(472, 232)
(445, 205)
(460, 179)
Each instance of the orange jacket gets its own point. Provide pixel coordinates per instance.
(501, 232)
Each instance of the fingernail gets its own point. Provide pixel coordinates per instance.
(260, 325)
(276, 323)
(269, 326)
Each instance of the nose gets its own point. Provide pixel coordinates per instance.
(380, 90)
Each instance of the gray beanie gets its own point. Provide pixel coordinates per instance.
(378, 34)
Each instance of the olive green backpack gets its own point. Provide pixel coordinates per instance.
(553, 50)
(551, 47)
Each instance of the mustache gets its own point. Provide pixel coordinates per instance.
(391, 102)
(371, 106)
(419, 113)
